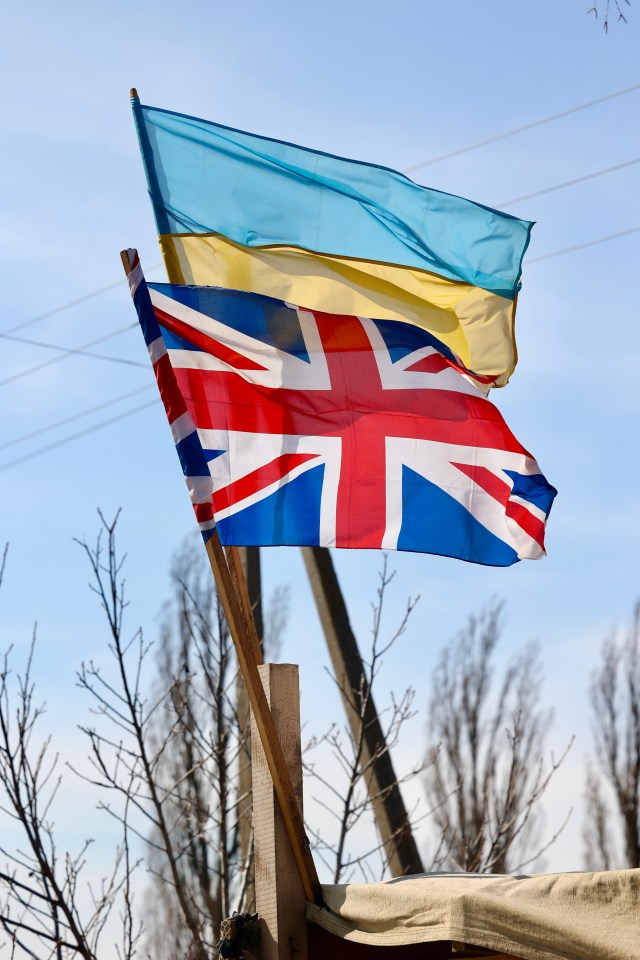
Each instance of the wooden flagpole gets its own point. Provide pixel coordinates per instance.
(245, 650)
(232, 588)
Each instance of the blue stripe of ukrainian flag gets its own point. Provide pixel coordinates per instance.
(237, 210)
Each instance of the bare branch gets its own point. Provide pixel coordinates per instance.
(612, 828)
(351, 800)
(488, 774)
(607, 11)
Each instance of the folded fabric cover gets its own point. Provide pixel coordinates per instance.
(574, 916)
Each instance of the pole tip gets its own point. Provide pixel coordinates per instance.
(130, 259)
(133, 93)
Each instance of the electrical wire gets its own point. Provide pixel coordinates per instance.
(79, 300)
(76, 351)
(521, 129)
(505, 203)
(40, 450)
(560, 186)
(76, 436)
(445, 156)
(582, 246)
(74, 416)
(569, 183)
(74, 303)
(81, 351)
(70, 352)
(65, 306)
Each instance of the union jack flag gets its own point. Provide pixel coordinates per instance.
(299, 427)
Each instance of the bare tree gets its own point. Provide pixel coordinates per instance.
(39, 910)
(612, 828)
(609, 7)
(486, 740)
(167, 757)
(128, 762)
(347, 798)
(180, 761)
(209, 756)
(165, 754)
(197, 738)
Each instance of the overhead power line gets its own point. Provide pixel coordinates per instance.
(64, 306)
(73, 417)
(79, 300)
(445, 156)
(77, 351)
(521, 129)
(76, 436)
(128, 413)
(74, 303)
(82, 351)
(569, 183)
(582, 246)
(559, 186)
(70, 352)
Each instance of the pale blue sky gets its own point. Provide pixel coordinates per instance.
(395, 84)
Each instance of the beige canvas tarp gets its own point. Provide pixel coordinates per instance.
(574, 916)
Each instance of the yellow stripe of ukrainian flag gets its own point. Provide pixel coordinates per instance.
(475, 323)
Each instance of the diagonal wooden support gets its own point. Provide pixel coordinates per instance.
(388, 806)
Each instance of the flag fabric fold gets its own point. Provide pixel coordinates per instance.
(238, 210)
(301, 427)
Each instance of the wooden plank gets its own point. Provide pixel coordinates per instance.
(280, 896)
(236, 569)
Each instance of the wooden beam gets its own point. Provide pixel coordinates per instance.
(250, 559)
(280, 896)
(236, 569)
(388, 806)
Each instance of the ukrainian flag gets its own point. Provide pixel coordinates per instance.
(251, 213)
